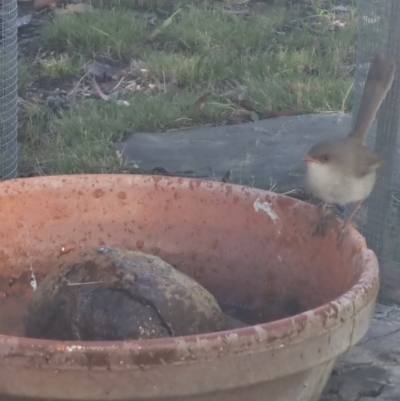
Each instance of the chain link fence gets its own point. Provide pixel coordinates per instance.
(8, 89)
(379, 31)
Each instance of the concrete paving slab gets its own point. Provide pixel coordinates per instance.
(258, 154)
(370, 371)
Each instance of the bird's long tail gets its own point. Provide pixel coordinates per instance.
(379, 80)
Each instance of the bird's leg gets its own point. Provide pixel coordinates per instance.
(321, 224)
(348, 221)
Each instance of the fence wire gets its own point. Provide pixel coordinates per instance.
(379, 31)
(8, 89)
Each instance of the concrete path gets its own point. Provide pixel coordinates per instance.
(370, 371)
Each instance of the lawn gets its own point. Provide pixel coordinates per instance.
(91, 74)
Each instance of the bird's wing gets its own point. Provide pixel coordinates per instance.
(366, 161)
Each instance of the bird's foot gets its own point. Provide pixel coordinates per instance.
(348, 223)
(341, 233)
(320, 228)
(322, 223)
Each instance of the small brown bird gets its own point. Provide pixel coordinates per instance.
(344, 170)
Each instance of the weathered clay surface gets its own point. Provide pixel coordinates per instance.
(370, 371)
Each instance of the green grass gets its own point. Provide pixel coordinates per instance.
(62, 66)
(24, 74)
(80, 140)
(283, 59)
(110, 33)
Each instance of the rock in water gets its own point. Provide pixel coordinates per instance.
(115, 294)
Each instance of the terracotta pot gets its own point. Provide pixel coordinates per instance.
(245, 245)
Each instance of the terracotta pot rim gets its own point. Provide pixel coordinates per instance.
(259, 337)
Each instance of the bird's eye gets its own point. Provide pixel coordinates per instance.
(325, 158)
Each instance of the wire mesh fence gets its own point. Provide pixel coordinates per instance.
(379, 31)
(8, 89)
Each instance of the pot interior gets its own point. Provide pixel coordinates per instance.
(252, 249)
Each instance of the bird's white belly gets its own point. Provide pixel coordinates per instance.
(337, 188)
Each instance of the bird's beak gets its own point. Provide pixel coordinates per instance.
(307, 159)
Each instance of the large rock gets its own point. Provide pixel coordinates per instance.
(116, 294)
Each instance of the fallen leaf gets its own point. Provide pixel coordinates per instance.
(98, 90)
(254, 116)
(348, 69)
(25, 20)
(103, 71)
(40, 4)
(160, 170)
(119, 157)
(168, 87)
(239, 116)
(258, 8)
(306, 69)
(245, 104)
(123, 102)
(281, 113)
(164, 25)
(292, 87)
(226, 176)
(236, 12)
(242, 94)
(300, 67)
(74, 8)
(150, 18)
(289, 112)
(268, 114)
(202, 100)
(343, 9)
(114, 95)
(173, 88)
(143, 73)
(337, 24)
